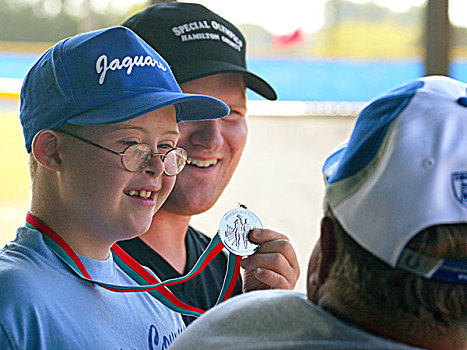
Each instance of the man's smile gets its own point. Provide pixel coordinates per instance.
(202, 163)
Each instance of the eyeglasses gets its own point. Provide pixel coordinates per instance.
(136, 157)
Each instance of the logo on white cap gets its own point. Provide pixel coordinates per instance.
(459, 187)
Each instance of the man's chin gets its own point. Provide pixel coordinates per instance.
(189, 206)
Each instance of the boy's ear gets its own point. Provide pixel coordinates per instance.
(45, 149)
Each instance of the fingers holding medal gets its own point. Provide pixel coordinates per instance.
(274, 266)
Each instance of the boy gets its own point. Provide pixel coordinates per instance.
(99, 114)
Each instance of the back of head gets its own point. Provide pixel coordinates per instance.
(196, 42)
(397, 193)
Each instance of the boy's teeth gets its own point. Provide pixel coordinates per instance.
(202, 163)
(142, 193)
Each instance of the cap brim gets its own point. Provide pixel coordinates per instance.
(188, 107)
(202, 69)
(332, 162)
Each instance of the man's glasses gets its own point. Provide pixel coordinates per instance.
(137, 157)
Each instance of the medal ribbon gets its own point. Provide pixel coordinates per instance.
(147, 281)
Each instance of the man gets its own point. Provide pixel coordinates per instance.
(207, 55)
(99, 113)
(390, 268)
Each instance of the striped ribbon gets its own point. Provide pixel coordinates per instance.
(146, 280)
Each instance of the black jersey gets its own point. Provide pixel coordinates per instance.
(201, 291)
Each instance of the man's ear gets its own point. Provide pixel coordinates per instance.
(328, 248)
(321, 260)
(45, 149)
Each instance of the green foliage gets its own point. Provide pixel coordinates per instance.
(369, 30)
(459, 36)
(21, 23)
(29, 21)
(342, 10)
(367, 38)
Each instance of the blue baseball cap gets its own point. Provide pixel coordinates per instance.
(403, 170)
(104, 77)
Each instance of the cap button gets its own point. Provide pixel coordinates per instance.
(429, 163)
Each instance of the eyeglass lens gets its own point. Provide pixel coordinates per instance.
(136, 157)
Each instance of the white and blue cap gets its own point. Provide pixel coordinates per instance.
(104, 77)
(404, 169)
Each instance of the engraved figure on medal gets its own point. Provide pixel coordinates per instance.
(234, 228)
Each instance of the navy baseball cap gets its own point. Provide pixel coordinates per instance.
(404, 170)
(104, 77)
(196, 42)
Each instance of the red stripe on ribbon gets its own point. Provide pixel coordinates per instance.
(234, 278)
(212, 254)
(38, 224)
(148, 277)
(135, 266)
(140, 270)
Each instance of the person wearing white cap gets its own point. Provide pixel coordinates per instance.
(390, 268)
(99, 113)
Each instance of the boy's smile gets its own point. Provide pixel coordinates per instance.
(103, 196)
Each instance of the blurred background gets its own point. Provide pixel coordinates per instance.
(325, 58)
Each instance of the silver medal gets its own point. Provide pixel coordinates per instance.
(234, 228)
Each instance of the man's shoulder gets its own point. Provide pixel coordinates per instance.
(276, 319)
(250, 307)
(248, 319)
(267, 303)
(261, 299)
